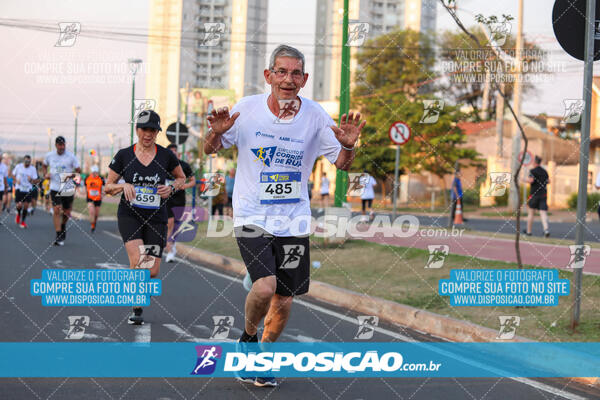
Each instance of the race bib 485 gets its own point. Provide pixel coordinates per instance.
(280, 187)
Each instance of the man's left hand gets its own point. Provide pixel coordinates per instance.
(349, 130)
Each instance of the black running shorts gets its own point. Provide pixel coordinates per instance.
(538, 202)
(22, 196)
(151, 232)
(288, 258)
(66, 202)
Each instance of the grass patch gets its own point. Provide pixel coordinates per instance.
(398, 274)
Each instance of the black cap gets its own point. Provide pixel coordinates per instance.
(148, 119)
(60, 140)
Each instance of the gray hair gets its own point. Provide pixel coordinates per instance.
(286, 51)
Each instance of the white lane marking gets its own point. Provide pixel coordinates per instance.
(178, 330)
(143, 333)
(525, 381)
(93, 336)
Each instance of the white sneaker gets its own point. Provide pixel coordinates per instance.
(170, 256)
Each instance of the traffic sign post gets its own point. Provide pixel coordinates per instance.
(177, 133)
(399, 135)
(575, 28)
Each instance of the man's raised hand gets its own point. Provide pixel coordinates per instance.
(221, 121)
(349, 130)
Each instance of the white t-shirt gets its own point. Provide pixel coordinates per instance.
(3, 174)
(275, 160)
(324, 185)
(368, 182)
(58, 164)
(21, 174)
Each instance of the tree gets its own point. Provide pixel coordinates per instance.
(387, 90)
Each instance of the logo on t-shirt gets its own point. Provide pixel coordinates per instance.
(264, 154)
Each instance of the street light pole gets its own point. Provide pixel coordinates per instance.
(82, 150)
(76, 114)
(133, 65)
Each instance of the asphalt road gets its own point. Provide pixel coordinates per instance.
(192, 294)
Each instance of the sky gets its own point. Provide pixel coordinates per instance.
(41, 82)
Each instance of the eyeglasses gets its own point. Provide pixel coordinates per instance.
(282, 74)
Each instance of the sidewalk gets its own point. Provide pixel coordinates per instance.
(496, 249)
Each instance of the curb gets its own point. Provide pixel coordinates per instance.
(420, 320)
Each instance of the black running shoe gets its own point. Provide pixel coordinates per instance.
(546, 234)
(136, 317)
(526, 233)
(266, 382)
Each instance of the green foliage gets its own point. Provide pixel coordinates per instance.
(471, 197)
(592, 201)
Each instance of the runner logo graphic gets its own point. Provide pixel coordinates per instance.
(142, 105)
(148, 253)
(223, 323)
(573, 110)
(431, 111)
(185, 223)
(357, 33)
(366, 326)
(212, 33)
(207, 359)
(578, 255)
(508, 326)
(68, 33)
(287, 111)
(264, 154)
(68, 184)
(497, 32)
(499, 182)
(77, 325)
(212, 184)
(292, 255)
(356, 184)
(437, 255)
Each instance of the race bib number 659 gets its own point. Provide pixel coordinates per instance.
(146, 197)
(280, 187)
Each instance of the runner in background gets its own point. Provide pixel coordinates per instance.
(25, 178)
(8, 194)
(59, 164)
(368, 194)
(219, 201)
(35, 193)
(46, 190)
(93, 185)
(538, 180)
(324, 191)
(8, 189)
(229, 183)
(177, 200)
(3, 182)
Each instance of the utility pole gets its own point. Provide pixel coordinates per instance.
(516, 140)
(584, 150)
(500, 122)
(485, 100)
(341, 176)
(76, 110)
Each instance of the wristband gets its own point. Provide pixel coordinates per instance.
(346, 148)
